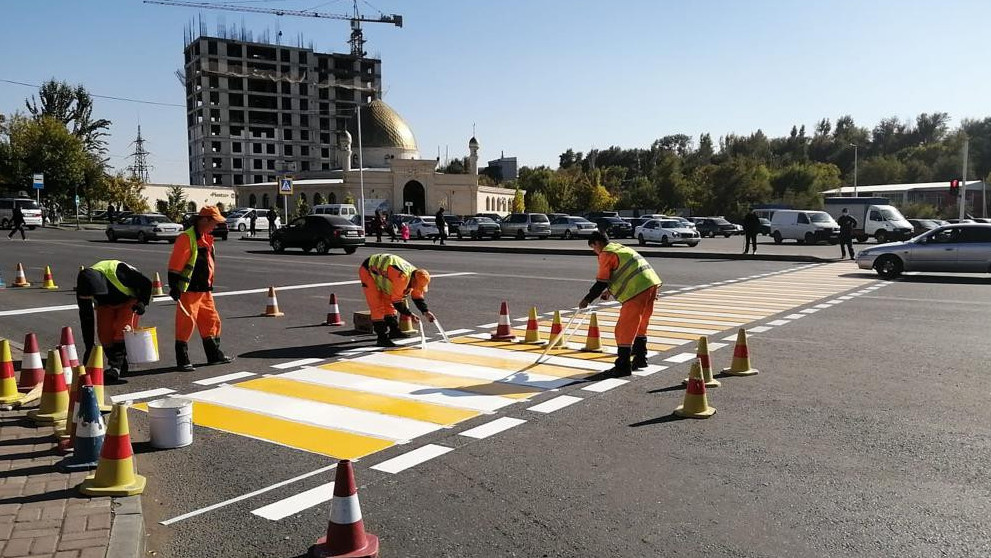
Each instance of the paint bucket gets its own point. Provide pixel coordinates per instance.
(141, 345)
(171, 421)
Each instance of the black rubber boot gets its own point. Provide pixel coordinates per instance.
(382, 330)
(182, 363)
(211, 346)
(622, 366)
(116, 365)
(394, 332)
(639, 353)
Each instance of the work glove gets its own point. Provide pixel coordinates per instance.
(174, 294)
(584, 303)
(139, 308)
(429, 316)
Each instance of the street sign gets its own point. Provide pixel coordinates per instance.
(39, 181)
(285, 186)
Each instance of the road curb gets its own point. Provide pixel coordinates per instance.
(127, 532)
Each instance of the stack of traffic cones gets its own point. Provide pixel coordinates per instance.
(593, 341)
(741, 357)
(32, 371)
(115, 474)
(20, 280)
(346, 536)
(702, 353)
(8, 384)
(48, 281)
(94, 374)
(504, 330)
(54, 405)
(557, 337)
(334, 314)
(696, 403)
(89, 432)
(532, 328)
(156, 286)
(272, 308)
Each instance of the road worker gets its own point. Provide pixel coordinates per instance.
(120, 294)
(191, 271)
(386, 280)
(632, 281)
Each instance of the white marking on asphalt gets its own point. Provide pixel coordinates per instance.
(488, 326)
(758, 329)
(794, 316)
(459, 332)
(140, 395)
(412, 458)
(679, 358)
(296, 503)
(555, 404)
(521, 356)
(717, 346)
(297, 363)
(492, 428)
(521, 319)
(467, 370)
(408, 341)
(650, 369)
(605, 385)
(221, 379)
(834, 301)
(822, 306)
(778, 322)
(809, 311)
(730, 338)
(704, 313)
(845, 298)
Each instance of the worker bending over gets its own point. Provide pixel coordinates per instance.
(634, 283)
(386, 281)
(120, 293)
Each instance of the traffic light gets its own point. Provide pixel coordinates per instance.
(954, 187)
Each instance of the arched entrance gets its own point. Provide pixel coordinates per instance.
(413, 193)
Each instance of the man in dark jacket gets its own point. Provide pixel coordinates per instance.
(847, 223)
(441, 225)
(17, 223)
(271, 216)
(751, 226)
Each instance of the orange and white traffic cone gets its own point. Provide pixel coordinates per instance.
(702, 353)
(741, 358)
(532, 328)
(156, 286)
(94, 374)
(504, 330)
(69, 342)
(334, 315)
(20, 280)
(593, 341)
(557, 330)
(48, 281)
(346, 536)
(54, 405)
(8, 384)
(32, 370)
(272, 308)
(696, 404)
(115, 474)
(65, 440)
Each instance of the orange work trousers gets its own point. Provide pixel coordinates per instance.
(379, 303)
(634, 317)
(111, 319)
(202, 313)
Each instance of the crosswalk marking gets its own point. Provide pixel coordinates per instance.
(411, 459)
(487, 373)
(296, 363)
(513, 355)
(605, 385)
(296, 503)
(508, 365)
(225, 378)
(147, 394)
(555, 404)
(429, 380)
(492, 428)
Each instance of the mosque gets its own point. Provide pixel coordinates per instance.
(395, 178)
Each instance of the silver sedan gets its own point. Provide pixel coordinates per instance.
(961, 248)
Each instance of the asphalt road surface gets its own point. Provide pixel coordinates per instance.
(865, 433)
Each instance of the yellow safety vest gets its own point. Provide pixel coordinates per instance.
(109, 270)
(187, 270)
(633, 275)
(378, 266)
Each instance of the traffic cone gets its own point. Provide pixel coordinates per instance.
(65, 440)
(696, 403)
(593, 341)
(406, 324)
(504, 330)
(94, 373)
(272, 308)
(556, 330)
(334, 315)
(20, 280)
(115, 474)
(741, 358)
(702, 353)
(89, 433)
(156, 286)
(346, 536)
(32, 370)
(54, 405)
(67, 367)
(48, 281)
(8, 384)
(69, 342)
(532, 328)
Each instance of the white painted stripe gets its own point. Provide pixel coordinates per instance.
(778, 322)
(609, 335)
(794, 316)
(822, 306)
(407, 341)
(296, 503)
(679, 358)
(440, 396)
(716, 346)
(730, 338)
(459, 332)
(650, 369)
(521, 377)
(714, 323)
(364, 349)
(834, 301)
(758, 329)
(412, 458)
(520, 356)
(297, 363)
(845, 298)
(488, 326)
(521, 319)
(605, 385)
(324, 415)
(676, 329)
(704, 313)
(346, 510)
(225, 378)
(491, 428)
(555, 404)
(134, 396)
(809, 311)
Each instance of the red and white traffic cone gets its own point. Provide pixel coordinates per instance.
(69, 343)
(334, 315)
(272, 308)
(346, 536)
(20, 280)
(156, 286)
(504, 330)
(32, 370)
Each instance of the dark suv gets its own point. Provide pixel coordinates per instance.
(711, 226)
(614, 227)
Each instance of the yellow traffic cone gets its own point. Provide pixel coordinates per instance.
(48, 281)
(406, 324)
(532, 328)
(557, 331)
(8, 383)
(272, 308)
(741, 358)
(115, 474)
(696, 403)
(94, 369)
(593, 341)
(54, 405)
(702, 353)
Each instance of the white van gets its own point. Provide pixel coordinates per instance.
(240, 219)
(29, 208)
(807, 227)
(346, 210)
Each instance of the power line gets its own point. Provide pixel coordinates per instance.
(110, 97)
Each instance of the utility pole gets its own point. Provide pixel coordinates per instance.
(962, 201)
(855, 147)
(139, 167)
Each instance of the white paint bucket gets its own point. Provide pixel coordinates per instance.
(171, 422)
(141, 345)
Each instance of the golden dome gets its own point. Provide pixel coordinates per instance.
(382, 127)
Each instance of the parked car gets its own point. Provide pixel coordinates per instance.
(494, 216)
(614, 227)
(453, 224)
(221, 231)
(594, 215)
(666, 232)
(959, 248)
(553, 216)
(806, 227)
(687, 222)
(920, 226)
(240, 219)
(636, 221)
(423, 227)
(522, 225)
(320, 233)
(144, 227)
(712, 226)
(568, 227)
(346, 210)
(477, 228)
(29, 208)
(765, 226)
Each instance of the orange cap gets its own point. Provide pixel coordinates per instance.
(211, 212)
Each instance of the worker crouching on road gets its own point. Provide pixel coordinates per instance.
(191, 270)
(120, 294)
(386, 281)
(634, 283)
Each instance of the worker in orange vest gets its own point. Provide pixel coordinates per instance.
(386, 280)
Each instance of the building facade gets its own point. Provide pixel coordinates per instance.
(932, 193)
(196, 196)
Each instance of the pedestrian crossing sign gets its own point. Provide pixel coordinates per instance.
(285, 186)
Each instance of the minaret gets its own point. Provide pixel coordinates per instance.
(344, 143)
(473, 156)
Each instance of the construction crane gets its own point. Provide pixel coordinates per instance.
(357, 40)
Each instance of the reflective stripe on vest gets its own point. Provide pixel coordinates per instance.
(378, 266)
(108, 268)
(187, 270)
(633, 275)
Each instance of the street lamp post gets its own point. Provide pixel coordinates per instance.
(855, 147)
(361, 169)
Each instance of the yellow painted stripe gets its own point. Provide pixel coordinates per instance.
(366, 401)
(508, 365)
(743, 309)
(675, 323)
(727, 298)
(579, 337)
(442, 381)
(661, 318)
(537, 349)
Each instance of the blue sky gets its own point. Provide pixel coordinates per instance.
(539, 76)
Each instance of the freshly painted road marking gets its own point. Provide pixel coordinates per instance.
(488, 326)
(778, 322)
(845, 298)
(650, 369)
(809, 311)
(681, 357)
(605, 385)
(411, 459)
(716, 346)
(794, 316)
(758, 329)
(522, 357)
(297, 363)
(822, 306)
(140, 395)
(492, 428)
(225, 378)
(730, 337)
(555, 404)
(296, 503)
(472, 371)
(459, 332)
(427, 380)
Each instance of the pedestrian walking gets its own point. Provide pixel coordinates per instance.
(441, 226)
(120, 293)
(847, 223)
(389, 221)
(17, 223)
(271, 216)
(404, 231)
(191, 273)
(751, 226)
(111, 213)
(251, 221)
(377, 224)
(633, 282)
(387, 280)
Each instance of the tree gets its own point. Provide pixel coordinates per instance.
(302, 208)
(456, 166)
(518, 203)
(537, 203)
(317, 198)
(349, 198)
(42, 145)
(174, 205)
(73, 107)
(123, 191)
